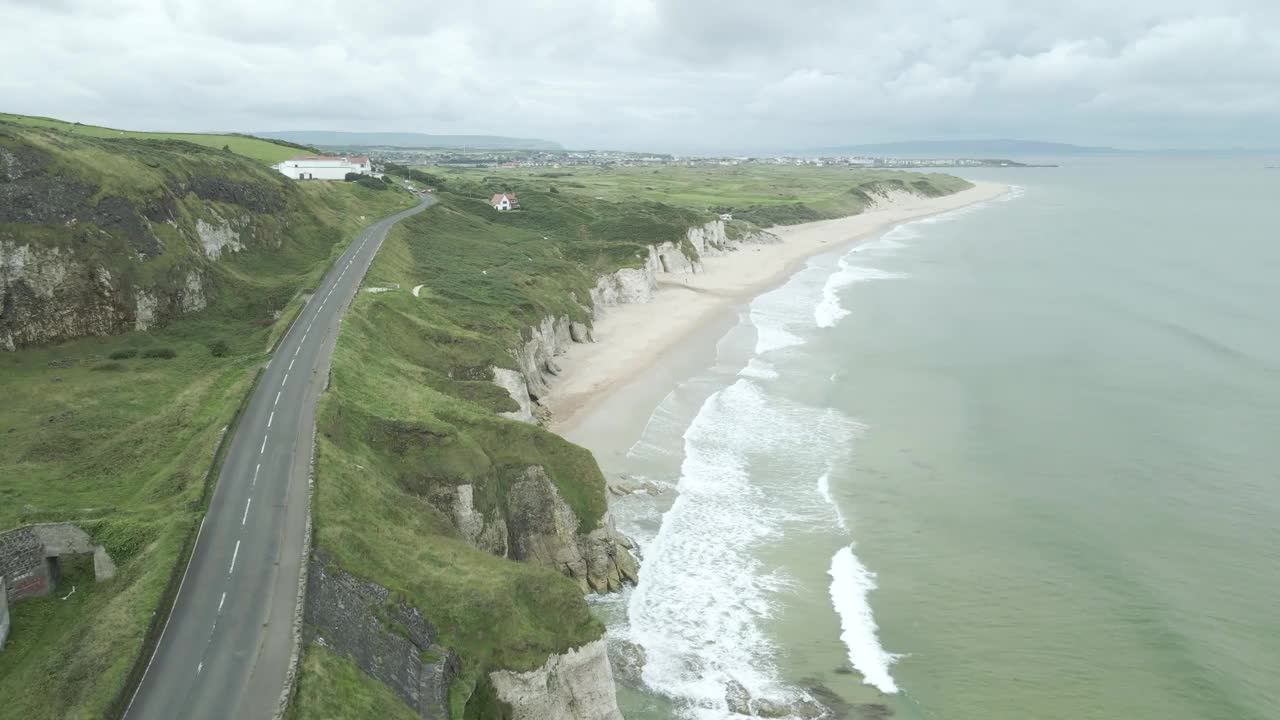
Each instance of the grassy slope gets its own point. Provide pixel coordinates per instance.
(123, 445)
(410, 408)
(762, 194)
(265, 151)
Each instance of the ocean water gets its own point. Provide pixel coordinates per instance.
(1017, 461)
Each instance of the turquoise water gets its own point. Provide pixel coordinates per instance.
(1020, 461)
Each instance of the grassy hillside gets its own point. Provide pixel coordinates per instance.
(411, 408)
(764, 195)
(264, 151)
(96, 432)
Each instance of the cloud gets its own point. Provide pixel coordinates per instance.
(661, 74)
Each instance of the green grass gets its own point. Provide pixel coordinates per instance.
(96, 432)
(763, 194)
(329, 680)
(269, 152)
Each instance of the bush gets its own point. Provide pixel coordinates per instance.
(219, 348)
(164, 353)
(372, 183)
(123, 354)
(352, 177)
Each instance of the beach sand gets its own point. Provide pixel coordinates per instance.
(630, 338)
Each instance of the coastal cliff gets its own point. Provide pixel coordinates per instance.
(106, 236)
(535, 358)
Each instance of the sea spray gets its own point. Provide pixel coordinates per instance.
(851, 584)
(698, 612)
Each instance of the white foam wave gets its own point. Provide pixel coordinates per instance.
(698, 611)
(759, 370)
(824, 489)
(829, 311)
(851, 583)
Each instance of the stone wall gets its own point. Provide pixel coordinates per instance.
(28, 557)
(23, 565)
(4, 613)
(389, 641)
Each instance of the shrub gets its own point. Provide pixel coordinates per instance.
(352, 177)
(164, 353)
(219, 348)
(372, 183)
(123, 354)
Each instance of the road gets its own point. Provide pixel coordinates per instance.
(226, 646)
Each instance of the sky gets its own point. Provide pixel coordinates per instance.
(662, 75)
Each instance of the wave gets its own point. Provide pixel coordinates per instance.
(758, 369)
(829, 311)
(851, 583)
(824, 489)
(698, 612)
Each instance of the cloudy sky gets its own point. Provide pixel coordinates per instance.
(677, 75)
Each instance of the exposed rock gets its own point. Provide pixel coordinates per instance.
(513, 382)
(580, 333)
(488, 534)
(627, 659)
(215, 238)
(576, 685)
(737, 698)
(389, 641)
(144, 312)
(543, 529)
(766, 708)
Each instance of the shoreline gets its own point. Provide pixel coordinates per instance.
(629, 339)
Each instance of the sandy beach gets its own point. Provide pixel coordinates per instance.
(631, 337)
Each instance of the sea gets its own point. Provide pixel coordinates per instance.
(1020, 461)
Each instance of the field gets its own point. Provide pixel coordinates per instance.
(97, 432)
(269, 152)
(761, 194)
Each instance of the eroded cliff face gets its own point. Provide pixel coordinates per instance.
(575, 685)
(536, 525)
(79, 256)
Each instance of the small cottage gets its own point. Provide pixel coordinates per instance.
(504, 201)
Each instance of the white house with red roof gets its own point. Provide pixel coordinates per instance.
(504, 201)
(323, 167)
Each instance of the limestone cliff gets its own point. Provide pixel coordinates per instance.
(534, 524)
(100, 236)
(575, 685)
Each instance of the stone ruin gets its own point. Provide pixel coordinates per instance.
(30, 565)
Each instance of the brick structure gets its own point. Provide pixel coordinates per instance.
(29, 562)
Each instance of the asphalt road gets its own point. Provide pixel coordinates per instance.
(226, 647)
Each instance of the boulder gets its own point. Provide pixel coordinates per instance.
(737, 698)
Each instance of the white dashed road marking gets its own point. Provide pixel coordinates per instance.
(264, 445)
(224, 599)
(234, 554)
(247, 503)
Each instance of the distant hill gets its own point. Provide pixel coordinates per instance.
(265, 151)
(969, 148)
(325, 138)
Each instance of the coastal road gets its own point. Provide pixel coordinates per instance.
(226, 647)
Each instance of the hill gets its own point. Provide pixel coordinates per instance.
(269, 152)
(142, 282)
(332, 139)
(968, 148)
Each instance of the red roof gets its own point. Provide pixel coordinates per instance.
(498, 198)
(356, 160)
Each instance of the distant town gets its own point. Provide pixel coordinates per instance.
(453, 157)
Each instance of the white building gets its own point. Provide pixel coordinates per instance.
(324, 168)
(504, 201)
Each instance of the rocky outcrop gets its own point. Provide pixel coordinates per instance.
(220, 235)
(488, 533)
(543, 529)
(513, 382)
(575, 685)
(388, 640)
